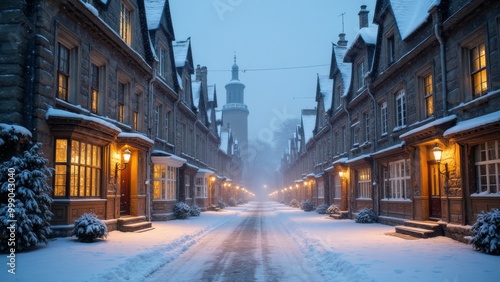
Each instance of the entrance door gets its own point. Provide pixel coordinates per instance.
(125, 192)
(434, 192)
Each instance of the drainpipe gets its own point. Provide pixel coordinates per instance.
(442, 49)
(150, 150)
(374, 182)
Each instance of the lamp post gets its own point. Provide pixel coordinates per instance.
(438, 153)
(126, 158)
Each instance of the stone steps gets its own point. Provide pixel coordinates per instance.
(420, 229)
(133, 223)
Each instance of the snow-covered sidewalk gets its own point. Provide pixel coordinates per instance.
(341, 250)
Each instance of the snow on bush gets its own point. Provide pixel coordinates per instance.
(194, 210)
(366, 215)
(486, 232)
(294, 203)
(333, 209)
(307, 205)
(181, 210)
(232, 202)
(24, 195)
(88, 228)
(221, 204)
(321, 209)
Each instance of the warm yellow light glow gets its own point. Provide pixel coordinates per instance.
(437, 153)
(341, 173)
(126, 156)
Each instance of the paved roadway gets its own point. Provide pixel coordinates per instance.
(253, 246)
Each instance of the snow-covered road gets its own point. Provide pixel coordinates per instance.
(255, 246)
(264, 241)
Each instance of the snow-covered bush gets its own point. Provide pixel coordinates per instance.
(486, 232)
(24, 195)
(333, 209)
(181, 210)
(307, 205)
(194, 210)
(240, 202)
(294, 203)
(366, 215)
(221, 204)
(321, 209)
(232, 202)
(88, 228)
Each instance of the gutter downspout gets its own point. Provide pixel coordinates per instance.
(442, 49)
(150, 151)
(374, 182)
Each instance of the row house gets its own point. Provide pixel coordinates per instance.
(414, 116)
(125, 120)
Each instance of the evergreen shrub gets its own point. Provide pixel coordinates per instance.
(486, 232)
(181, 210)
(321, 209)
(366, 215)
(88, 228)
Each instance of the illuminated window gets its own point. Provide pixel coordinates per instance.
(397, 180)
(63, 72)
(428, 95)
(478, 70)
(164, 181)
(364, 184)
(77, 169)
(125, 23)
(187, 185)
(338, 188)
(487, 161)
(94, 88)
(136, 121)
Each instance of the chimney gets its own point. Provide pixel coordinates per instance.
(198, 73)
(342, 42)
(363, 17)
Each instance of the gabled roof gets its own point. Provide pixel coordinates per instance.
(212, 95)
(308, 121)
(182, 54)
(325, 85)
(410, 14)
(196, 90)
(155, 9)
(338, 65)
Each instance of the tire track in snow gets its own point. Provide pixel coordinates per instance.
(331, 265)
(140, 266)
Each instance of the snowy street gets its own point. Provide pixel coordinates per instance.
(254, 247)
(257, 241)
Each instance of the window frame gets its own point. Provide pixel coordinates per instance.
(396, 175)
(167, 180)
(487, 168)
(126, 19)
(364, 184)
(72, 166)
(400, 109)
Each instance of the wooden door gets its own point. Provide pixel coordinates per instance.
(434, 192)
(125, 191)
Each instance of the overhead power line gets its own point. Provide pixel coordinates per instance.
(278, 68)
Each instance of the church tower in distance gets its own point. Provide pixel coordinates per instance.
(235, 112)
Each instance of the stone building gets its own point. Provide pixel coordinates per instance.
(421, 81)
(109, 93)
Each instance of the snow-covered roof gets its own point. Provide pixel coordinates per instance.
(61, 113)
(154, 11)
(344, 68)
(135, 135)
(196, 90)
(308, 123)
(411, 14)
(224, 140)
(326, 89)
(429, 125)
(473, 123)
(181, 49)
(211, 92)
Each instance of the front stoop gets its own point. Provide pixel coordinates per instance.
(420, 229)
(133, 224)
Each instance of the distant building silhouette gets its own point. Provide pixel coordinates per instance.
(235, 112)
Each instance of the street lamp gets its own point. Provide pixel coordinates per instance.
(438, 153)
(126, 158)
